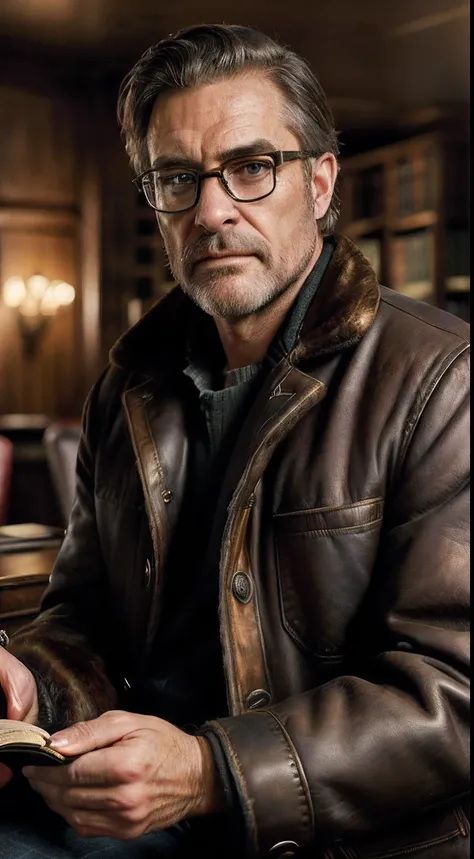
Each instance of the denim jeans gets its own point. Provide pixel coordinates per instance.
(29, 830)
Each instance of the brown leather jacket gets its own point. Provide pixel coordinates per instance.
(344, 566)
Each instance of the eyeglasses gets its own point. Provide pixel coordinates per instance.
(246, 179)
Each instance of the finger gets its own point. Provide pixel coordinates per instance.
(48, 775)
(17, 683)
(96, 733)
(100, 768)
(106, 799)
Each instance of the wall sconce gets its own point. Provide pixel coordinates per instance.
(36, 300)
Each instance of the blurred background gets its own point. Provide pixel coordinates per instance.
(80, 257)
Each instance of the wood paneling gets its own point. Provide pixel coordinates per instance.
(44, 382)
(45, 213)
(37, 149)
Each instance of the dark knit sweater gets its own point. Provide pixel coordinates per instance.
(186, 681)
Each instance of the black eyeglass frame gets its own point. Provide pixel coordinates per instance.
(278, 157)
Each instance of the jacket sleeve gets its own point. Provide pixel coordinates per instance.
(388, 740)
(62, 644)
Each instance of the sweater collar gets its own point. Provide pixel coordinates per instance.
(341, 311)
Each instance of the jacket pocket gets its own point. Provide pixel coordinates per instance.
(443, 834)
(325, 558)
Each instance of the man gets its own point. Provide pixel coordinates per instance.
(259, 612)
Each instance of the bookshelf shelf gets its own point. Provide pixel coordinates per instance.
(406, 206)
(416, 221)
(365, 226)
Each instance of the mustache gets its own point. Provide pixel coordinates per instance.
(218, 243)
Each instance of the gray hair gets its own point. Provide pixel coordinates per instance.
(205, 53)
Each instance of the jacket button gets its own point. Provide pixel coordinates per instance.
(258, 698)
(167, 495)
(284, 849)
(242, 587)
(147, 573)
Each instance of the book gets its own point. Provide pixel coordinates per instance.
(28, 536)
(24, 745)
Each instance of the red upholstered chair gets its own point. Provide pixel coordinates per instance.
(6, 466)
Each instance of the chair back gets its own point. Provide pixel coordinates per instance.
(61, 441)
(6, 467)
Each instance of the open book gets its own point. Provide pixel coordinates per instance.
(24, 745)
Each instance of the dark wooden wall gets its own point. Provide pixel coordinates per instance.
(64, 181)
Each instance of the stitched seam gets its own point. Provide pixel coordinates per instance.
(307, 808)
(365, 502)
(415, 418)
(262, 643)
(386, 300)
(329, 532)
(248, 807)
(300, 769)
(292, 632)
(414, 848)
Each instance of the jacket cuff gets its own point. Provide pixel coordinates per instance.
(270, 782)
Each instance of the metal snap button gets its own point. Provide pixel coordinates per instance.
(258, 698)
(284, 849)
(167, 495)
(147, 573)
(242, 587)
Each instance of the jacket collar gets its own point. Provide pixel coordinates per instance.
(342, 311)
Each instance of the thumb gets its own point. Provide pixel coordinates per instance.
(5, 775)
(109, 728)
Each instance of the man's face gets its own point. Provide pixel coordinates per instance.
(234, 258)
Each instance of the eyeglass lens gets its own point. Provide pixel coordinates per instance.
(174, 191)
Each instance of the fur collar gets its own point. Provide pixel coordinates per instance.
(342, 311)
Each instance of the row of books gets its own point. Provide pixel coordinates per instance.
(416, 186)
(412, 259)
(416, 182)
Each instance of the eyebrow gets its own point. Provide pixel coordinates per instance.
(256, 147)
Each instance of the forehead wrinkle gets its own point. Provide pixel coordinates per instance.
(255, 147)
(195, 125)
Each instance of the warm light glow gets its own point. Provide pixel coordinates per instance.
(37, 285)
(39, 296)
(29, 306)
(14, 291)
(49, 303)
(64, 292)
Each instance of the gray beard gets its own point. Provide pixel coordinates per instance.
(238, 307)
(270, 288)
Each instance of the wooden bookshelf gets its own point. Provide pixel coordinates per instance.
(406, 206)
(150, 276)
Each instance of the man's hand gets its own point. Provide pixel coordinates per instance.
(135, 774)
(19, 688)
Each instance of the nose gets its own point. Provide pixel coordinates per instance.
(214, 207)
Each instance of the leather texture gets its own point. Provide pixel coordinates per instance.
(347, 669)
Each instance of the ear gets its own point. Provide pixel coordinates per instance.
(325, 172)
